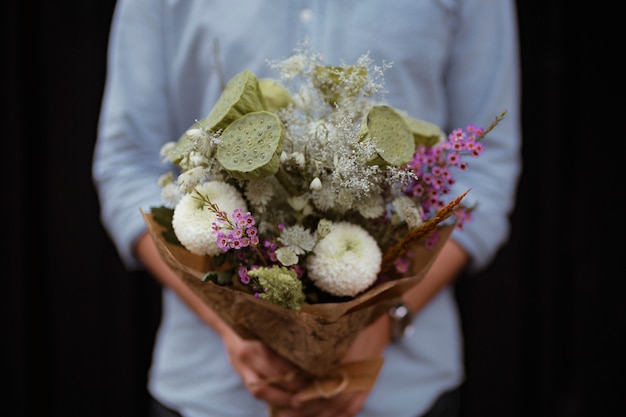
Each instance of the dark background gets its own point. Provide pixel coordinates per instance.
(545, 324)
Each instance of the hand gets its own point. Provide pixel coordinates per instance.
(256, 364)
(252, 360)
(369, 344)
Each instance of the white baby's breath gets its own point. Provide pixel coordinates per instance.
(291, 67)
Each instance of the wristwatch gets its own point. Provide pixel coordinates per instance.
(401, 319)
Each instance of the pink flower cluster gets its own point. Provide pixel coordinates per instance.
(432, 167)
(238, 233)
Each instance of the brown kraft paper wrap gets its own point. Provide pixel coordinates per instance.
(314, 338)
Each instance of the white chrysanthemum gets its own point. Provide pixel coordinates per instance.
(192, 220)
(346, 261)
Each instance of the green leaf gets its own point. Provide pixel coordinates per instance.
(222, 278)
(163, 216)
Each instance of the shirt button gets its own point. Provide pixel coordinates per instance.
(306, 15)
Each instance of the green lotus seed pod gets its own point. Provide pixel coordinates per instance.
(335, 83)
(391, 135)
(241, 95)
(276, 96)
(424, 133)
(250, 147)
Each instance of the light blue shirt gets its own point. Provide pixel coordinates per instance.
(454, 62)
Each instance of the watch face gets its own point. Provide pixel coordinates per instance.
(401, 321)
(400, 311)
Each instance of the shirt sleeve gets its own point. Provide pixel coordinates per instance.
(133, 124)
(483, 81)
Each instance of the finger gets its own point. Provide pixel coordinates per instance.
(281, 373)
(270, 394)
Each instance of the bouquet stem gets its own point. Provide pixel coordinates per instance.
(285, 181)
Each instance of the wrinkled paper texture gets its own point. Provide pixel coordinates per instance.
(315, 338)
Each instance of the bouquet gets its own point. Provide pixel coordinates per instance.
(300, 204)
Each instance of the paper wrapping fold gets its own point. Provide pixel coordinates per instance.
(347, 377)
(315, 338)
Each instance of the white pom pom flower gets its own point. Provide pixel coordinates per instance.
(346, 261)
(193, 221)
